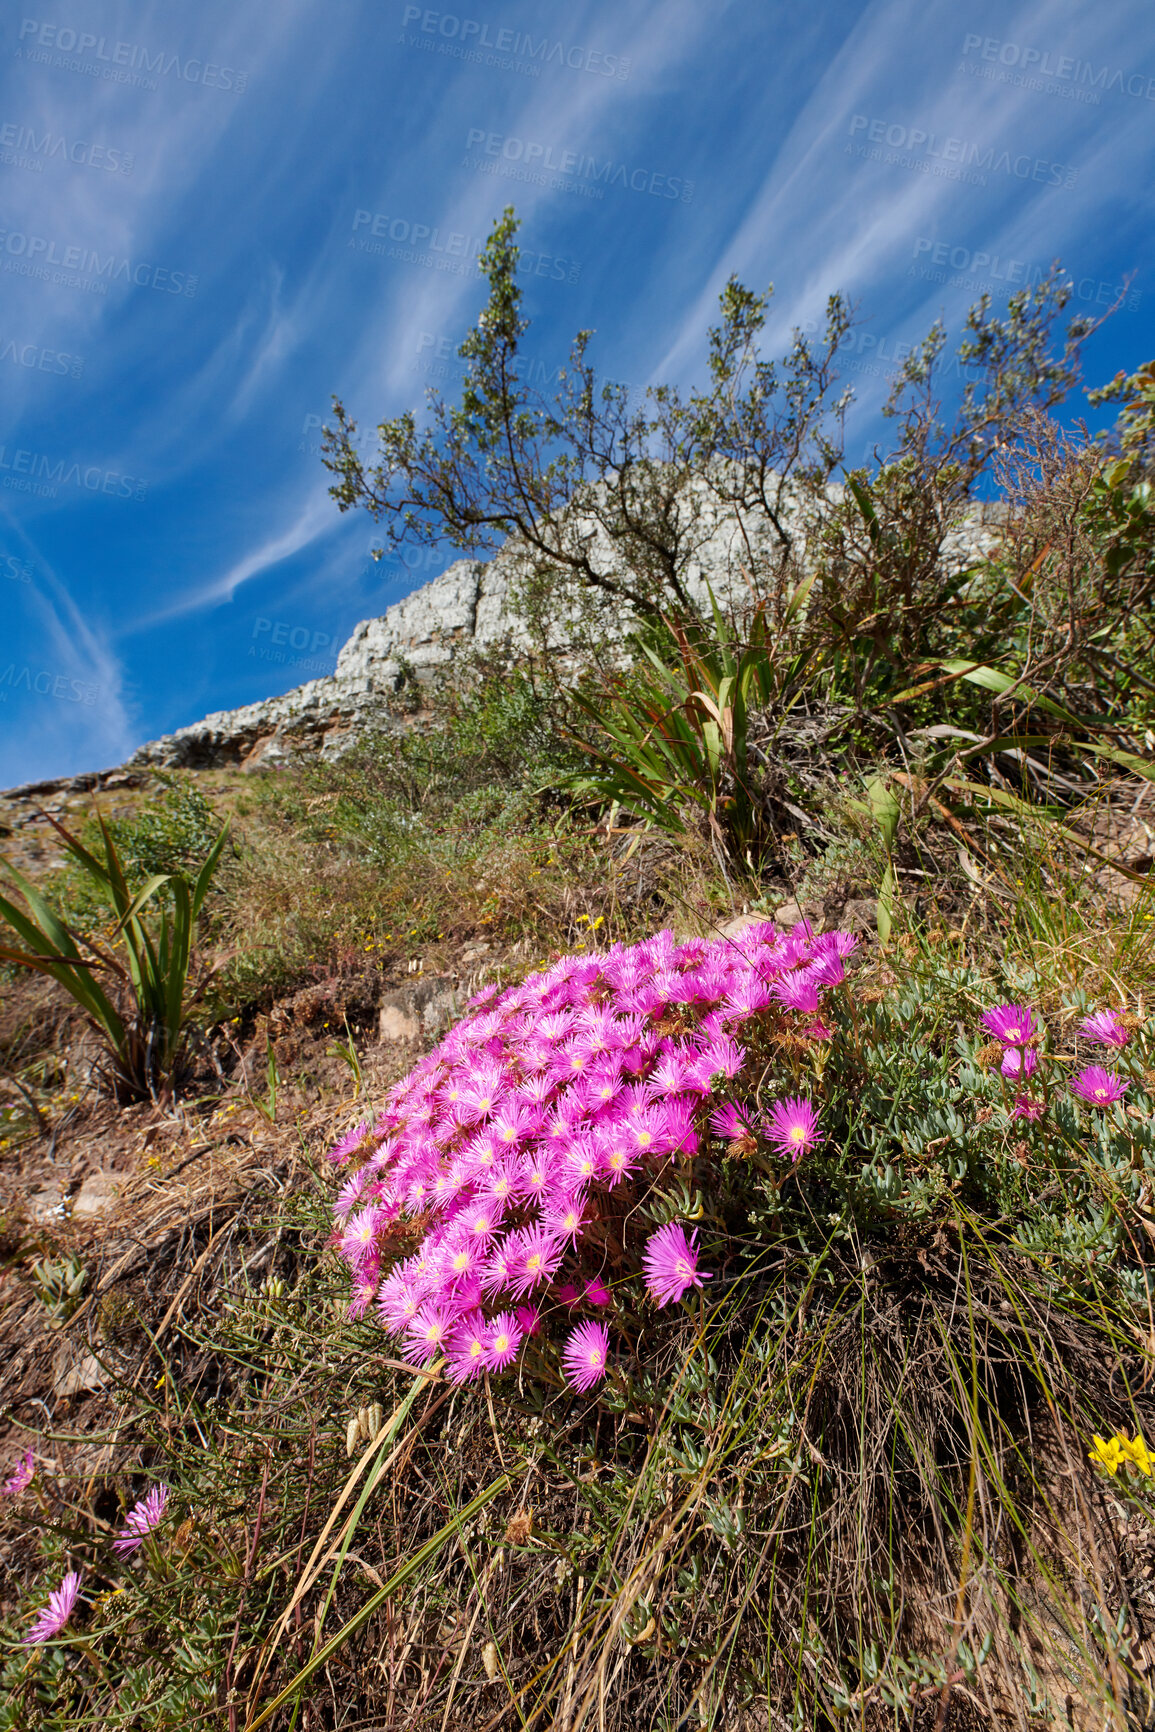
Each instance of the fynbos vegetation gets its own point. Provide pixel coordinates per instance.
(648, 1220)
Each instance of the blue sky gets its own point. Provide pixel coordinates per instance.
(215, 217)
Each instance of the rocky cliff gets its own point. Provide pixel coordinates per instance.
(466, 608)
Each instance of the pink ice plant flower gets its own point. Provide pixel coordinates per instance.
(670, 1262)
(142, 1519)
(1019, 1062)
(1026, 1108)
(57, 1612)
(585, 1355)
(506, 1145)
(1098, 1086)
(19, 1477)
(503, 1341)
(359, 1138)
(793, 1127)
(1013, 1024)
(1102, 1026)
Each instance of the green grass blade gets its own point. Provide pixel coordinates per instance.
(409, 1568)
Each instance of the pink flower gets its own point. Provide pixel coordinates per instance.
(793, 1127)
(465, 1356)
(1026, 1108)
(670, 1261)
(427, 1334)
(503, 1341)
(584, 1355)
(58, 1610)
(596, 1291)
(1099, 1086)
(349, 1193)
(528, 1319)
(360, 1140)
(1103, 1027)
(534, 1258)
(1013, 1024)
(1019, 1062)
(730, 1122)
(798, 991)
(20, 1476)
(567, 1218)
(141, 1519)
(619, 1153)
(567, 1295)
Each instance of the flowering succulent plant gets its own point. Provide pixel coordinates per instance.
(508, 1147)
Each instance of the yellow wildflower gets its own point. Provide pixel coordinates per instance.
(1138, 1452)
(1106, 1455)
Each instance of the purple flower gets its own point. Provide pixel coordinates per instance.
(1013, 1024)
(793, 1127)
(503, 1341)
(730, 1122)
(596, 1292)
(584, 1355)
(58, 1610)
(361, 1139)
(20, 1476)
(465, 1357)
(670, 1261)
(1099, 1086)
(1026, 1108)
(1103, 1027)
(1019, 1062)
(141, 1519)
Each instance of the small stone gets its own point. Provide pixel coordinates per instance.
(77, 1373)
(397, 1023)
(47, 1205)
(98, 1193)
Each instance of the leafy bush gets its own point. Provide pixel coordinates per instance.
(146, 1041)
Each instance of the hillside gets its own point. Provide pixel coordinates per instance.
(577, 1177)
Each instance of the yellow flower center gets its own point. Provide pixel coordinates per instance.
(500, 1344)
(533, 1263)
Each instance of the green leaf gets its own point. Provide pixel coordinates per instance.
(884, 912)
(885, 810)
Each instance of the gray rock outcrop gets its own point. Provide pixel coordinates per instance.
(466, 608)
